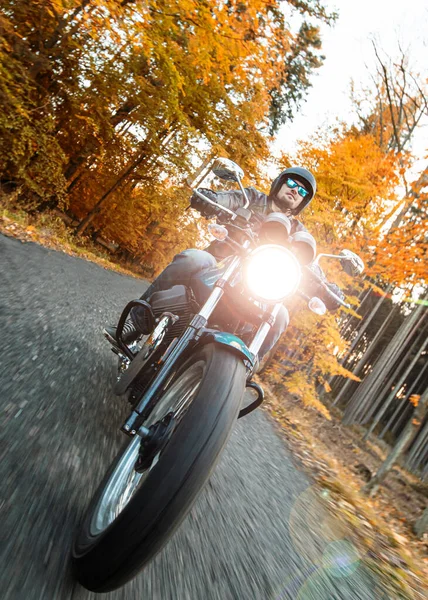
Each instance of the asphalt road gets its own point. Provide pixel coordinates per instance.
(258, 530)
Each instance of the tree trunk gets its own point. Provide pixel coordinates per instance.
(404, 402)
(335, 381)
(85, 158)
(363, 360)
(400, 382)
(394, 367)
(91, 214)
(421, 526)
(345, 323)
(63, 23)
(418, 452)
(409, 199)
(366, 323)
(142, 155)
(384, 381)
(403, 442)
(373, 382)
(199, 175)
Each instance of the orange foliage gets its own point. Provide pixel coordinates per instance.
(357, 183)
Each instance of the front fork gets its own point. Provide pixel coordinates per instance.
(264, 329)
(199, 321)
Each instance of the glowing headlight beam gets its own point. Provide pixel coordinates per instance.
(272, 273)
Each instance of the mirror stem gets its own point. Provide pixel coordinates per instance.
(316, 261)
(247, 202)
(216, 204)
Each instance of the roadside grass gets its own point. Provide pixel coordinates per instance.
(382, 549)
(49, 230)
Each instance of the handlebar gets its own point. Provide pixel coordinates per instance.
(335, 296)
(218, 206)
(326, 288)
(233, 216)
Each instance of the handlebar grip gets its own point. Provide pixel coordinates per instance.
(216, 204)
(327, 289)
(336, 297)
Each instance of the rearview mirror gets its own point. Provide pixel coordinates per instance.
(227, 169)
(351, 263)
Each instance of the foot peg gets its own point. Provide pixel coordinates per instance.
(109, 337)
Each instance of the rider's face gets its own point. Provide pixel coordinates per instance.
(289, 198)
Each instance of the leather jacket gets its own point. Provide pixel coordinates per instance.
(260, 204)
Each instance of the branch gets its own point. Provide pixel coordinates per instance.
(388, 93)
(195, 23)
(421, 92)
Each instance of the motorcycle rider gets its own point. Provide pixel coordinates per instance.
(290, 193)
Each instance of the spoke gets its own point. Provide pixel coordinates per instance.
(184, 402)
(127, 493)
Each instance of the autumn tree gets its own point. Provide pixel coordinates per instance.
(392, 110)
(355, 180)
(360, 205)
(212, 73)
(387, 348)
(31, 156)
(102, 91)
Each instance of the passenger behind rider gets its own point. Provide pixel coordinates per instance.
(290, 193)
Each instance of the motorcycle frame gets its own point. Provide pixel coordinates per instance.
(195, 334)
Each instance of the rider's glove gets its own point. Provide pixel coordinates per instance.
(206, 210)
(318, 289)
(330, 302)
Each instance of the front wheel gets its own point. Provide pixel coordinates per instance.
(132, 515)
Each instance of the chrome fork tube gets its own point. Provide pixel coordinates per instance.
(263, 330)
(218, 291)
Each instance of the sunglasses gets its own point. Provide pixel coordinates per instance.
(300, 190)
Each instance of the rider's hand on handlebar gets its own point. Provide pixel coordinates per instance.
(317, 285)
(329, 300)
(207, 210)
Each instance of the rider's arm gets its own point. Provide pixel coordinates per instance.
(311, 286)
(330, 302)
(231, 200)
(315, 289)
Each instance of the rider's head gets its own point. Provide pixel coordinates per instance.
(293, 189)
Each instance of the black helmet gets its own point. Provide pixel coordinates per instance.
(299, 174)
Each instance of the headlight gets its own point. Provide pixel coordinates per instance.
(272, 273)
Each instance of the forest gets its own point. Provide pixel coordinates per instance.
(112, 110)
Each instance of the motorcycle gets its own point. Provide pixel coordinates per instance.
(186, 381)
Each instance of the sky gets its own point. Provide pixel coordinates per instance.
(348, 51)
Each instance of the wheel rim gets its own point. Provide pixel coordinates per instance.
(124, 481)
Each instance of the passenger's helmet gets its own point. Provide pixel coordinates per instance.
(298, 174)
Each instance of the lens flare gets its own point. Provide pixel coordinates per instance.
(341, 558)
(272, 273)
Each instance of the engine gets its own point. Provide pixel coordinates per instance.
(178, 300)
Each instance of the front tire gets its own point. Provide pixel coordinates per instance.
(106, 557)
